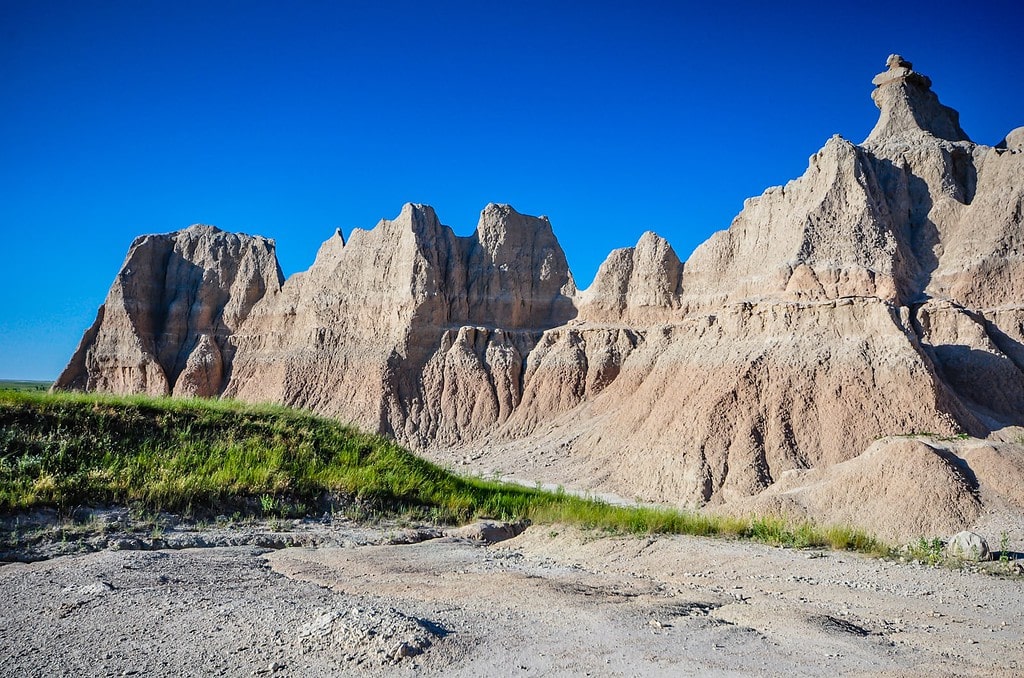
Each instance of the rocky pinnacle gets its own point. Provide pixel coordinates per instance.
(909, 107)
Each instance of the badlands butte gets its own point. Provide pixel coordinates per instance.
(850, 350)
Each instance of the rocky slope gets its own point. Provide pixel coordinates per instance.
(880, 294)
(408, 328)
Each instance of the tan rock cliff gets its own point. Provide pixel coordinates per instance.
(168, 322)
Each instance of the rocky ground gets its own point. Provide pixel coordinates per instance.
(383, 599)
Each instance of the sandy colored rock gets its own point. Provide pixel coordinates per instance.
(826, 235)
(396, 329)
(172, 312)
(1014, 141)
(968, 546)
(908, 106)
(488, 531)
(637, 285)
(717, 407)
(999, 471)
(879, 294)
(902, 488)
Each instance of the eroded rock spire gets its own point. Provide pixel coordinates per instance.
(909, 106)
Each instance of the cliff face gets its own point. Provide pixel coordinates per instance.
(881, 293)
(167, 324)
(398, 329)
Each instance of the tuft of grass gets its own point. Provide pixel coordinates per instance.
(942, 437)
(224, 457)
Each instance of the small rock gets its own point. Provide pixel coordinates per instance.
(489, 531)
(125, 544)
(414, 536)
(968, 546)
(95, 588)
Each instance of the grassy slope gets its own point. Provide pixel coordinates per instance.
(66, 450)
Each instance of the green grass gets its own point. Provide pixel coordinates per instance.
(204, 456)
(14, 385)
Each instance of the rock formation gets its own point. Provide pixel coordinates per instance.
(880, 294)
(636, 285)
(899, 486)
(168, 322)
(408, 328)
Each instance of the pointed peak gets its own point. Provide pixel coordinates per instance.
(415, 208)
(202, 228)
(909, 106)
(498, 208)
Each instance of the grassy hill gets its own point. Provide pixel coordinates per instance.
(200, 456)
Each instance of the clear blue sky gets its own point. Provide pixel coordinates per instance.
(289, 119)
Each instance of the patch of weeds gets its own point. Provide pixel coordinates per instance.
(846, 538)
(926, 551)
(931, 434)
(268, 504)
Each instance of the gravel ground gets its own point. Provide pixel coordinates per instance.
(375, 600)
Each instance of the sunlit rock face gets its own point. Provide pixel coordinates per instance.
(168, 322)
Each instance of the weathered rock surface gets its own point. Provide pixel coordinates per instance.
(168, 321)
(398, 329)
(899, 487)
(968, 546)
(880, 294)
(829, 234)
(909, 107)
(636, 285)
(488, 531)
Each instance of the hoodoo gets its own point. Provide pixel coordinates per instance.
(789, 365)
(909, 107)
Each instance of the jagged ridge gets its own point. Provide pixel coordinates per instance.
(878, 294)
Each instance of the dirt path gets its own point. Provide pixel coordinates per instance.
(553, 601)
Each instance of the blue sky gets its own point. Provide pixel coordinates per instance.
(291, 119)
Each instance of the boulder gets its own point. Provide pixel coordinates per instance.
(967, 546)
(489, 531)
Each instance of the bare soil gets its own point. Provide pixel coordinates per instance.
(552, 601)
